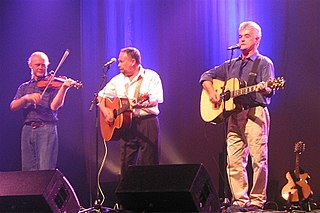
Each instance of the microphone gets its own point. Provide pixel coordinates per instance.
(237, 46)
(112, 60)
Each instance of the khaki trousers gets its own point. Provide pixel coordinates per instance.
(248, 134)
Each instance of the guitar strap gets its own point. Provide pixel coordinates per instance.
(137, 90)
(253, 73)
(247, 101)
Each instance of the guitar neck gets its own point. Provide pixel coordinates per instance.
(125, 106)
(122, 109)
(297, 167)
(243, 91)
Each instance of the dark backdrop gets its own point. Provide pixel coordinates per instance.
(179, 39)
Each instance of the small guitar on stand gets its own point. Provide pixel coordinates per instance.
(297, 189)
(122, 111)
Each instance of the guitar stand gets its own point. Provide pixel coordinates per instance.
(309, 204)
(304, 206)
(293, 207)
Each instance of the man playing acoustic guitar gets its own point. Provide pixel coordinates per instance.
(138, 92)
(248, 129)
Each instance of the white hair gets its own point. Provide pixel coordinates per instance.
(252, 25)
(42, 55)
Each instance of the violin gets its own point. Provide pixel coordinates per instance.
(56, 82)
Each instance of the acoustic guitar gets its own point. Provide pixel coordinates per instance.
(122, 111)
(217, 113)
(297, 189)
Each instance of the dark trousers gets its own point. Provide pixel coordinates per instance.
(140, 145)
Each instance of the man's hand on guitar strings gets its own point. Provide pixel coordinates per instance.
(213, 94)
(109, 116)
(214, 97)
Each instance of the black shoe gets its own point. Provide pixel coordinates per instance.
(235, 208)
(254, 208)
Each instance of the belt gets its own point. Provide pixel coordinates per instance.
(37, 124)
(252, 106)
(144, 117)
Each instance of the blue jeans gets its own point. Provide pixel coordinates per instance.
(39, 147)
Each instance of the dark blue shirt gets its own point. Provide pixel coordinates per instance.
(42, 111)
(228, 70)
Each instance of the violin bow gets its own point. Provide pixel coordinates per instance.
(65, 55)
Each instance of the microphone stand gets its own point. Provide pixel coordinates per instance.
(97, 207)
(226, 190)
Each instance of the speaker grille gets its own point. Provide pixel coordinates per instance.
(36, 191)
(168, 188)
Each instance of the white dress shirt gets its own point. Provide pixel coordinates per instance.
(120, 86)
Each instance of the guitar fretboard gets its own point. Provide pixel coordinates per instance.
(297, 169)
(298, 149)
(243, 91)
(125, 107)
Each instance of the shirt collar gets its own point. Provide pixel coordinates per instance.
(252, 58)
(141, 73)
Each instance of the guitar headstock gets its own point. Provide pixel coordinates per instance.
(277, 83)
(299, 147)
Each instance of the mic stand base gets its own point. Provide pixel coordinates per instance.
(98, 208)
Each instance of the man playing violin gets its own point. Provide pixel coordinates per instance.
(39, 136)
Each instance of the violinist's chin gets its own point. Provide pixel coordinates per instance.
(37, 75)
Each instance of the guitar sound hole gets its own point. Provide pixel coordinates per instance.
(115, 114)
(227, 95)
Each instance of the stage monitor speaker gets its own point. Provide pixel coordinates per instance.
(168, 188)
(37, 191)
